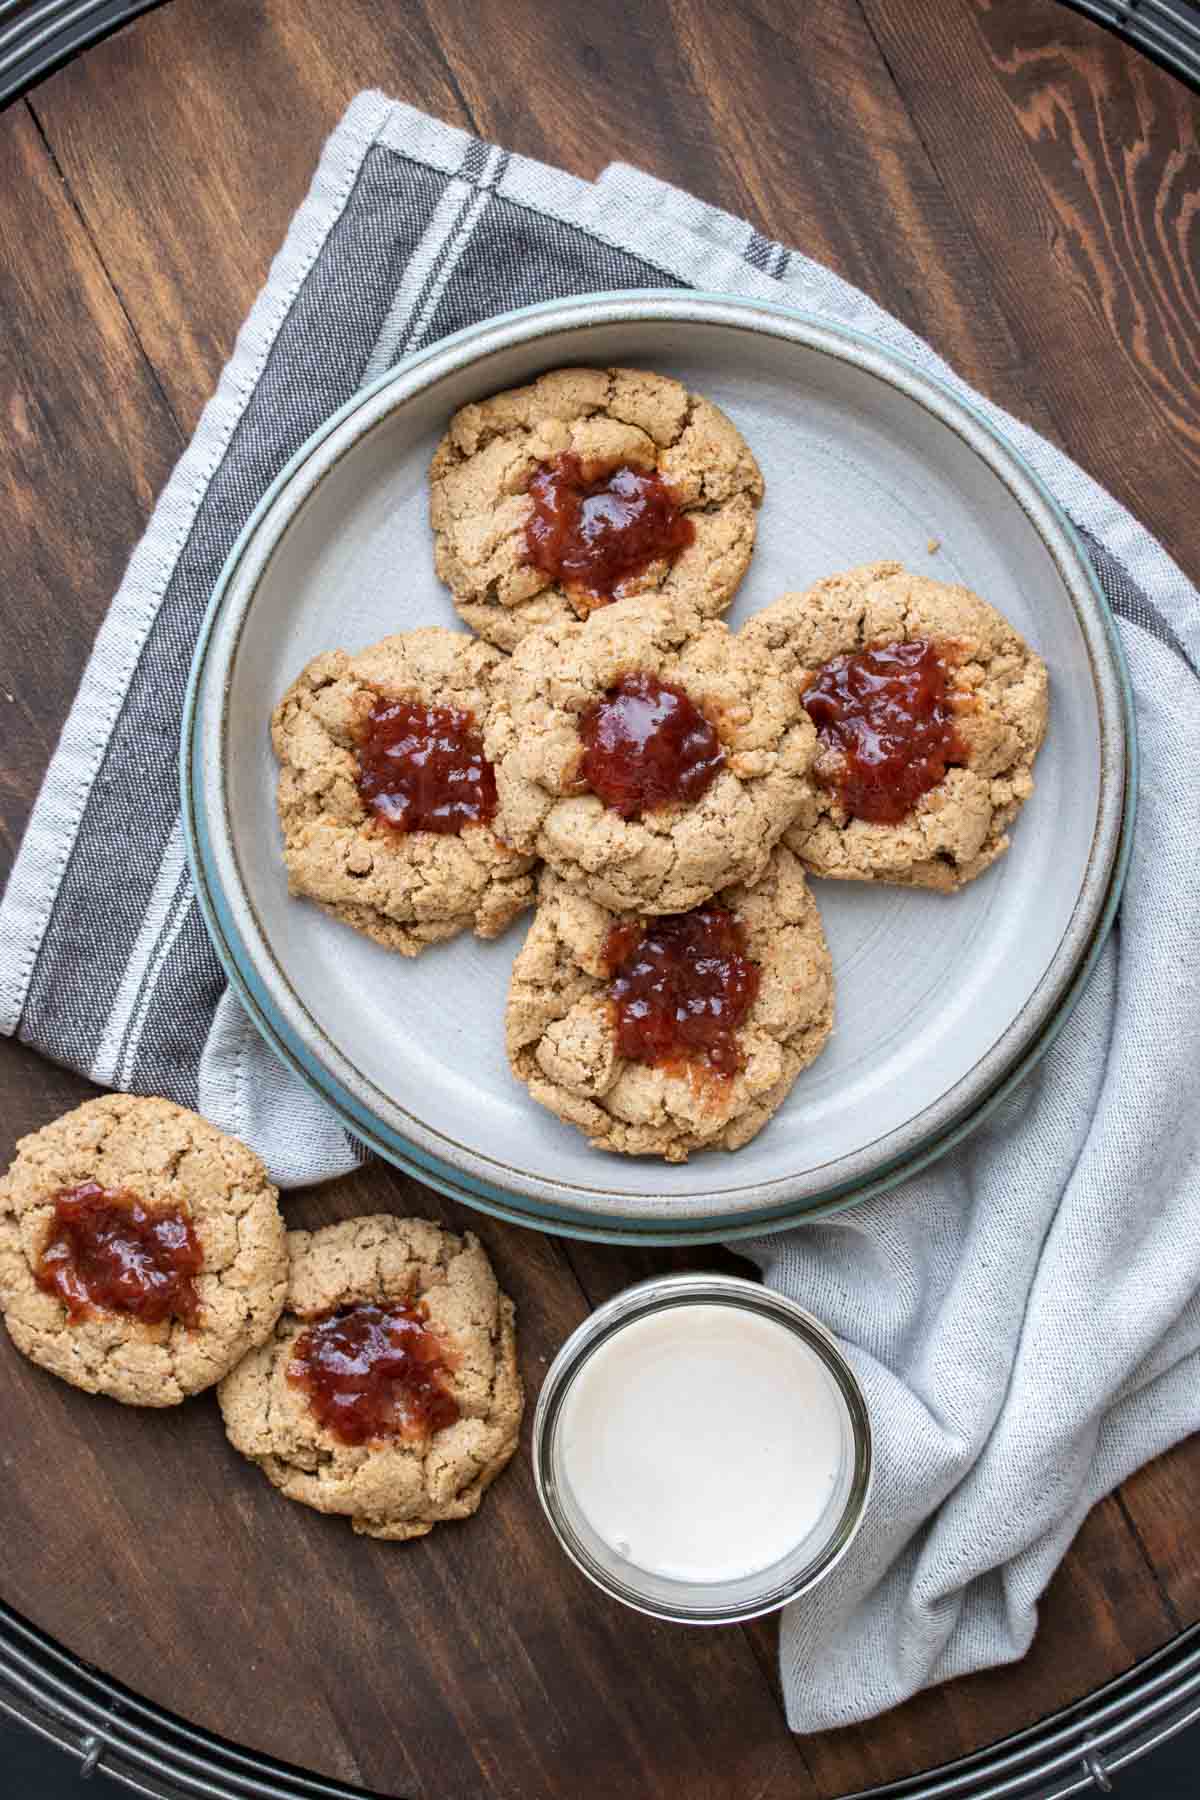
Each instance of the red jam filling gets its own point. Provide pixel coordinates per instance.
(886, 713)
(593, 527)
(374, 1372)
(107, 1252)
(422, 768)
(681, 986)
(647, 745)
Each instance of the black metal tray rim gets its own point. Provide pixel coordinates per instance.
(37, 36)
(154, 1753)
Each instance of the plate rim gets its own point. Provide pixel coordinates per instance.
(604, 1218)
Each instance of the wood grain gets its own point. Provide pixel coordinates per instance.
(86, 445)
(1152, 1500)
(1081, 190)
(1025, 197)
(1099, 1615)
(481, 1665)
(189, 192)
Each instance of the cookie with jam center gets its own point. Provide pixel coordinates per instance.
(586, 486)
(649, 764)
(386, 799)
(930, 710)
(141, 1250)
(389, 1391)
(660, 1036)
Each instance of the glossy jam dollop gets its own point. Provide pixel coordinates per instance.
(887, 713)
(681, 986)
(594, 527)
(422, 768)
(374, 1372)
(646, 744)
(107, 1252)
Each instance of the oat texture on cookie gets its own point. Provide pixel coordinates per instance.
(398, 1485)
(603, 422)
(997, 692)
(562, 1038)
(166, 1158)
(667, 858)
(404, 888)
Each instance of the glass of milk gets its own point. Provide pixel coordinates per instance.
(702, 1449)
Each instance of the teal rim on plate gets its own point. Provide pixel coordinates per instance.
(1063, 978)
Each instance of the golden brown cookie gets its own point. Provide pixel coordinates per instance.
(67, 1212)
(996, 691)
(389, 1282)
(562, 1023)
(610, 419)
(406, 888)
(668, 857)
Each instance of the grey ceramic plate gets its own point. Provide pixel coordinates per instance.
(939, 1001)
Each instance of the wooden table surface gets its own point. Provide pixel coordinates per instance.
(1019, 187)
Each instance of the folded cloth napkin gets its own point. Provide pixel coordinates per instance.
(1024, 1315)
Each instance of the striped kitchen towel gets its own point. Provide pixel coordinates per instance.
(1024, 1316)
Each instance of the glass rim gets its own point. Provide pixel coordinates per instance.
(640, 1301)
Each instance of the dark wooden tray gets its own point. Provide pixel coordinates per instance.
(1019, 198)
